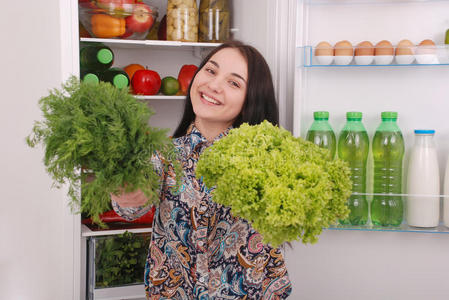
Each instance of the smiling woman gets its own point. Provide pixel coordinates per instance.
(199, 250)
(245, 71)
(218, 92)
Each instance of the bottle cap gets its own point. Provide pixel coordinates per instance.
(105, 56)
(120, 81)
(320, 115)
(389, 115)
(424, 131)
(91, 78)
(354, 115)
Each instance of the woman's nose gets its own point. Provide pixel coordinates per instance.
(215, 84)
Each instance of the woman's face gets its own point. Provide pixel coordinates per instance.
(219, 88)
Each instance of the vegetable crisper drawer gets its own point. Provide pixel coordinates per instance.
(115, 263)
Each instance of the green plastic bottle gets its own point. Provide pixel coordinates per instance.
(388, 154)
(353, 147)
(321, 133)
(96, 57)
(89, 76)
(115, 76)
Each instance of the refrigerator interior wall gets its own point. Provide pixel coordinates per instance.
(249, 23)
(417, 93)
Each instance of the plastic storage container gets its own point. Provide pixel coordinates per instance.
(353, 147)
(387, 208)
(182, 20)
(214, 21)
(321, 133)
(116, 260)
(423, 182)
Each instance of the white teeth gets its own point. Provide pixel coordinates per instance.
(210, 100)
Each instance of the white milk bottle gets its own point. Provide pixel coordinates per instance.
(423, 182)
(446, 198)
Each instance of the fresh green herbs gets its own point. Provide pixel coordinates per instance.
(97, 140)
(286, 187)
(120, 260)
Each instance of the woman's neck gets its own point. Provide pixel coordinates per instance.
(210, 130)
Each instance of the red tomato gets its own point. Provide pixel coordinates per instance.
(185, 76)
(146, 82)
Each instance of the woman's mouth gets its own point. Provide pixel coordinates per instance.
(209, 99)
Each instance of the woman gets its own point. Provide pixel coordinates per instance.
(198, 249)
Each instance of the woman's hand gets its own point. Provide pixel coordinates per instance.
(132, 199)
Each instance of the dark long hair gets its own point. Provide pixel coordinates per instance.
(260, 102)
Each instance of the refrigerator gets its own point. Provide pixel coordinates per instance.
(367, 263)
(346, 263)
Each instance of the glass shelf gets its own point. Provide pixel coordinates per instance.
(122, 43)
(403, 228)
(159, 97)
(131, 292)
(88, 232)
(307, 58)
(362, 2)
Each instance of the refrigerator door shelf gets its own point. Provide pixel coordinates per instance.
(364, 2)
(402, 228)
(440, 57)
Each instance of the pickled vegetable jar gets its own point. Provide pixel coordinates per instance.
(214, 21)
(182, 20)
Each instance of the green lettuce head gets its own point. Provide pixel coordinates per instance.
(286, 187)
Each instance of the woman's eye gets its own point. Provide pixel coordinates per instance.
(209, 70)
(233, 83)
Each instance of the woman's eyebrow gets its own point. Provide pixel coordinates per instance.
(214, 63)
(233, 74)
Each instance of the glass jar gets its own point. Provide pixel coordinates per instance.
(182, 20)
(214, 21)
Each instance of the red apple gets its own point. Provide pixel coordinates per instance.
(146, 82)
(142, 18)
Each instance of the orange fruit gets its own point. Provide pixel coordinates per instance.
(132, 68)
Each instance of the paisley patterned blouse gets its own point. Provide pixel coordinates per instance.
(198, 249)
